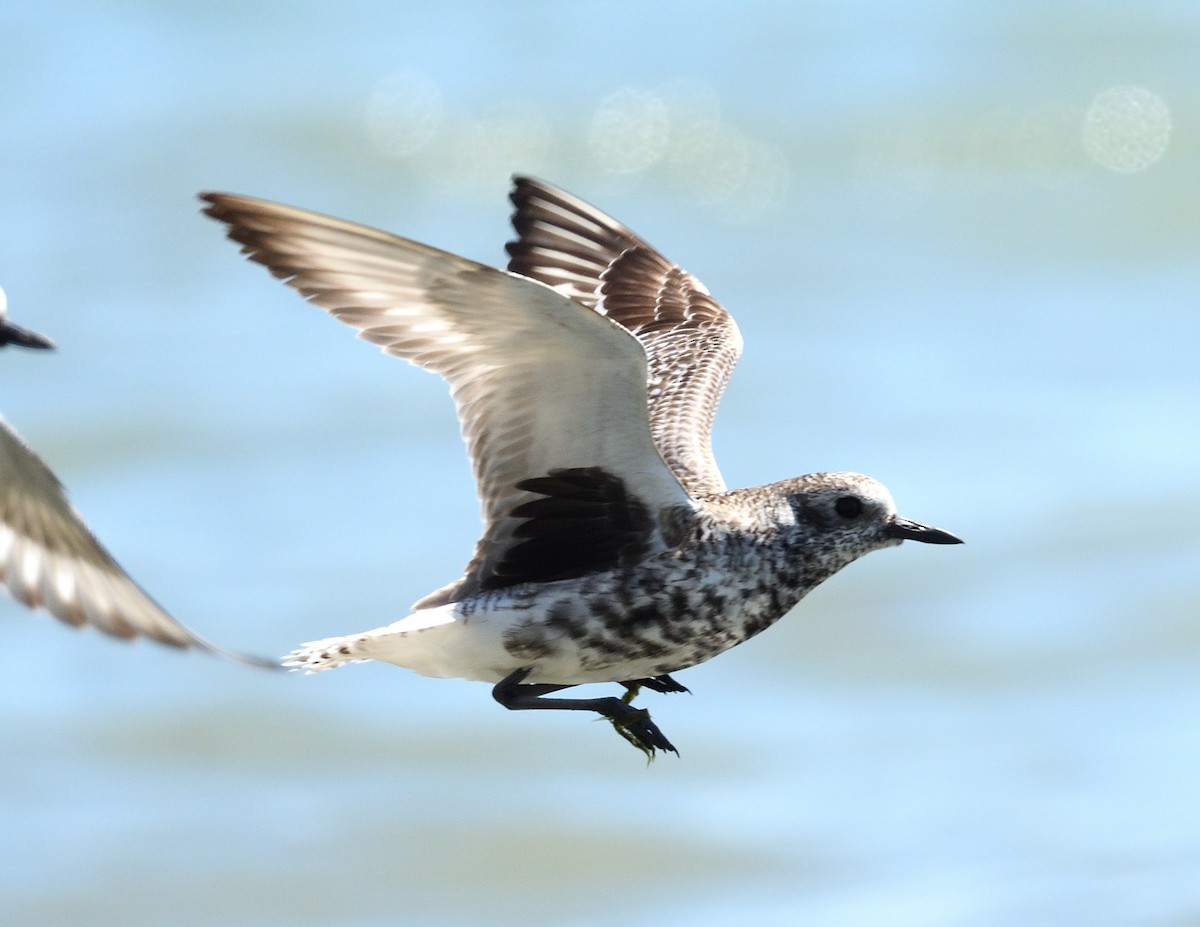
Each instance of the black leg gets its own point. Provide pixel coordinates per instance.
(663, 683)
(633, 724)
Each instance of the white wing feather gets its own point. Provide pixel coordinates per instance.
(541, 383)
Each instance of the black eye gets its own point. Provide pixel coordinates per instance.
(848, 506)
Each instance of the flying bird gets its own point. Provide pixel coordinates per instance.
(586, 378)
(50, 559)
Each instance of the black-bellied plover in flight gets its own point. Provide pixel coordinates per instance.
(50, 559)
(586, 378)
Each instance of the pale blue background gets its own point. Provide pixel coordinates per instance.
(947, 293)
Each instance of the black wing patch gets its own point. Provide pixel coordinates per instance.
(587, 522)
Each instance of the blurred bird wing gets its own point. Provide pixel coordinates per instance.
(50, 559)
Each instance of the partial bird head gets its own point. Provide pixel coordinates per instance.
(11, 333)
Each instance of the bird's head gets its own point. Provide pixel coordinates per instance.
(850, 515)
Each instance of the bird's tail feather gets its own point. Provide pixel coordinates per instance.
(380, 644)
(328, 653)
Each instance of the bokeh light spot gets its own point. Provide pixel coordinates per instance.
(629, 131)
(1126, 129)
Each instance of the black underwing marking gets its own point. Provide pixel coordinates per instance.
(586, 523)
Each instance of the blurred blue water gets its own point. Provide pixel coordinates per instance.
(937, 285)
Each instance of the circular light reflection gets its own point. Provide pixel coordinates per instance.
(678, 128)
(1126, 129)
(629, 131)
(673, 133)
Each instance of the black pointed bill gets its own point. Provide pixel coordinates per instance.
(907, 530)
(15, 334)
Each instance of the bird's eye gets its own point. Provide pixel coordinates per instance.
(848, 506)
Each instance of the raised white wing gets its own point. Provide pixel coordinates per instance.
(551, 396)
(691, 342)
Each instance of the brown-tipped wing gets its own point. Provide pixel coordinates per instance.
(542, 385)
(691, 342)
(50, 559)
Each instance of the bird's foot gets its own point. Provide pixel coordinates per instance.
(633, 724)
(663, 683)
(636, 727)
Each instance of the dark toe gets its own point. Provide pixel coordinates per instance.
(644, 733)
